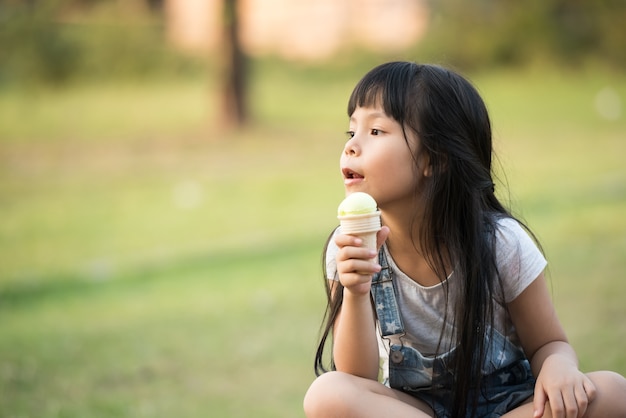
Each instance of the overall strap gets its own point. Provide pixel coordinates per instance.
(384, 297)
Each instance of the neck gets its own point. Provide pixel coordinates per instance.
(406, 249)
(404, 225)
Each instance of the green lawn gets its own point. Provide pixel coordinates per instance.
(151, 266)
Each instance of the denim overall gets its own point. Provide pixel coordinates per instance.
(507, 382)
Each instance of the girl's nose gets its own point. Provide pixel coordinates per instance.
(351, 148)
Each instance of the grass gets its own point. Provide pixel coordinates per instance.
(150, 267)
(200, 337)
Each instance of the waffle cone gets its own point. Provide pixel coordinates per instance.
(365, 226)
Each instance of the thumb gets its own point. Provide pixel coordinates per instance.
(381, 236)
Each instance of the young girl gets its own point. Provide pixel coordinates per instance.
(452, 316)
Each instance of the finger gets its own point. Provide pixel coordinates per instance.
(362, 267)
(356, 283)
(539, 402)
(557, 407)
(355, 253)
(570, 404)
(354, 279)
(582, 400)
(345, 240)
(590, 389)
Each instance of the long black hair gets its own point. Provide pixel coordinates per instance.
(461, 209)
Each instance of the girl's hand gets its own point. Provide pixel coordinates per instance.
(567, 389)
(356, 264)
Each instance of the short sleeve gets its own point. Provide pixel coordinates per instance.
(330, 259)
(519, 259)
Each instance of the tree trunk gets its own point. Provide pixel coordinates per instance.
(234, 112)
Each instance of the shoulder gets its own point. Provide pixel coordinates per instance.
(519, 259)
(510, 229)
(512, 238)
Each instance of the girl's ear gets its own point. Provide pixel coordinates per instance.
(427, 168)
(426, 165)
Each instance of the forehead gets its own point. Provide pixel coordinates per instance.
(370, 113)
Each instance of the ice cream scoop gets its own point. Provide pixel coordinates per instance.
(358, 215)
(357, 203)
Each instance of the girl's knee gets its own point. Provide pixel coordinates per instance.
(610, 393)
(607, 381)
(328, 395)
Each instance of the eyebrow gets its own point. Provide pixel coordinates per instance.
(375, 115)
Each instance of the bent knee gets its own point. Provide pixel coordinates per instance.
(608, 381)
(610, 394)
(327, 395)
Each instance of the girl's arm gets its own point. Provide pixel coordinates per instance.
(355, 344)
(552, 359)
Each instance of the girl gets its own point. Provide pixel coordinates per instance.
(453, 310)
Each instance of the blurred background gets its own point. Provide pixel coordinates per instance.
(169, 175)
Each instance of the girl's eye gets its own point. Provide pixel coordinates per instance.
(375, 132)
(350, 134)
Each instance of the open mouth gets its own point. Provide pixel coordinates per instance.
(350, 174)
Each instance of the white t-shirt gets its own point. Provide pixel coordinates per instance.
(422, 309)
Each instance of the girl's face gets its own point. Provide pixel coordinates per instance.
(377, 159)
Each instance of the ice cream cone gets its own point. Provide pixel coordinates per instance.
(365, 226)
(359, 216)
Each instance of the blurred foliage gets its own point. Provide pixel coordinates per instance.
(488, 33)
(32, 46)
(57, 41)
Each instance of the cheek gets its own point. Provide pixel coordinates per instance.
(405, 163)
(395, 162)
(402, 172)
(409, 172)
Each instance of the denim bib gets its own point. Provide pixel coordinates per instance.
(507, 380)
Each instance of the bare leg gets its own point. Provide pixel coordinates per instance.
(337, 394)
(610, 400)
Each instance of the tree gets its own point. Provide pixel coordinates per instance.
(234, 110)
(510, 32)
